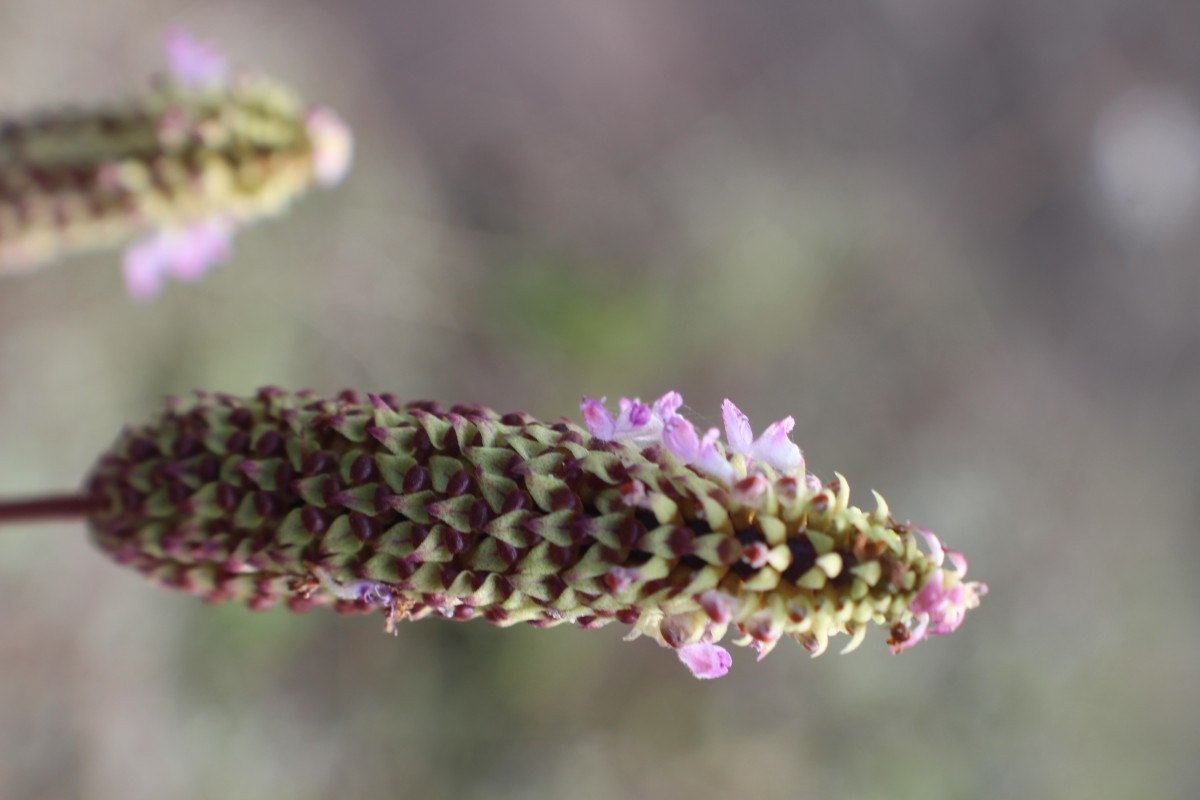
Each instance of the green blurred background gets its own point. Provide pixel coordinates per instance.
(955, 238)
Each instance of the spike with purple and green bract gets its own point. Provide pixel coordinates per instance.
(170, 174)
(413, 510)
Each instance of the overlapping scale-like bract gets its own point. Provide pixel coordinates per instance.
(416, 510)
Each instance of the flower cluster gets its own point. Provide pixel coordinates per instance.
(414, 510)
(172, 174)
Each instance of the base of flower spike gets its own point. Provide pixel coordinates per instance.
(415, 510)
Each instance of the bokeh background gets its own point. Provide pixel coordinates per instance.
(955, 238)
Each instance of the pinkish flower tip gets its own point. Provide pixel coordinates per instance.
(194, 62)
(737, 428)
(931, 596)
(333, 146)
(706, 661)
(635, 420)
(668, 405)
(186, 254)
(680, 439)
(775, 448)
(939, 609)
(599, 422)
(661, 422)
(936, 554)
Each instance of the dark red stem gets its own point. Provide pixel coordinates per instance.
(50, 508)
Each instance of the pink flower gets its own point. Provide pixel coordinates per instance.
(661, 422)
(635, 420)
(936, 554)
(773, 447)
(599, 422)
(186, 254)
(680, 439)
(333, 146)
(668, 405)
(705, 660)
(942, 603)
(193, 62)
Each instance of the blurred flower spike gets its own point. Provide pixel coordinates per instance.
(414, 510)
(171, 174)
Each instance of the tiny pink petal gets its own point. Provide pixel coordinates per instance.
(711, 460)
(333, 146)
(947, 622)
(143, 271)
(958, 560)
(936, 553)
(186, 254)
(737, 428)
(774, 447)
(193, 62)
(633, 418)
(599, 422)
(191, 252)
(931, 596)
(668, 405)
(706, 661)
(679, 436)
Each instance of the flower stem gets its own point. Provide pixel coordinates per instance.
(48, 508)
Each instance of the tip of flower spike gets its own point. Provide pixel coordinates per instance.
(706, 661)
(193, 62)
(737, 428)
(333, 146)
(942, 603)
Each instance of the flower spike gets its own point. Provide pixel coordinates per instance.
(171, 175)
(413, 510)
